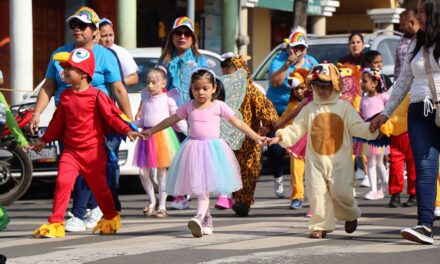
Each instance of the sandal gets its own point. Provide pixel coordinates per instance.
(161, 214)
(318, 234)
(148, 211)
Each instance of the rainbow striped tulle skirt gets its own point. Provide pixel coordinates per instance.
(158, 151)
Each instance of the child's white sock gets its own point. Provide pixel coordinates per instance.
(202, 205)
(144, 174)
(161, 176)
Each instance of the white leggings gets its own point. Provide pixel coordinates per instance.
(144, 174)
(202, 205)
(376, 165)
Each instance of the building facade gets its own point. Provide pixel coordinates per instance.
(246, 26)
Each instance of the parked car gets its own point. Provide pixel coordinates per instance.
(46, 162)
(332, 47)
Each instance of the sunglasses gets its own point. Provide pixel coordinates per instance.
(179, 33)
(82, 26)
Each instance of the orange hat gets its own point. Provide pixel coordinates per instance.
(81, 58)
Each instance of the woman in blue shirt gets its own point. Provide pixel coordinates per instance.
(282, 65)
(180, 56)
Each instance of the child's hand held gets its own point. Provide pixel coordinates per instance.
(39, 145)
(274, 140)
(146, 134)
(132, 135)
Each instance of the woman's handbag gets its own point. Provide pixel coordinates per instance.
(432, 87)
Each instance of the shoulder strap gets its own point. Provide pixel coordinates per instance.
(430, 76)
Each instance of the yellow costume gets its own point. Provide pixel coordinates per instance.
(330, 125)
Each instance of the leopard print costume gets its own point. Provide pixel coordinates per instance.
(256, 108)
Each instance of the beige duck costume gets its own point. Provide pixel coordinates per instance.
(331, 124)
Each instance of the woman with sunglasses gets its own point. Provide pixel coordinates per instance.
(84, 28)
(180, 56)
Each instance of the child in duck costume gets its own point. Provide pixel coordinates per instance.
(330, 124)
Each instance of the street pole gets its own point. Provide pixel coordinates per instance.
(229, 25)
(126, 16)
(22, 71)
(300, 13)
(190, 10)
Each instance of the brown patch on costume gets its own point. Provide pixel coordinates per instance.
(327, 133)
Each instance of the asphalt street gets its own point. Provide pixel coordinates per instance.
(271, 234)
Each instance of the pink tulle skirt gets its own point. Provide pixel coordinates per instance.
(204, 166)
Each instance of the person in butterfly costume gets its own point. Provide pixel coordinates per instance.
(257, 110)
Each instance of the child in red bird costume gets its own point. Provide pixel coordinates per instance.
(83, 117)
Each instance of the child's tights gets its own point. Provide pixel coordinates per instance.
(149, 188)
(202, 205)
(376, 165)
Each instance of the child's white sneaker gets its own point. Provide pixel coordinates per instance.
(93, 218)
(207, 226)
(365, 182)
(381, 193)
(195, 225)
(372, 196)
(437, 211)
(74, 224)
(360, 174)
(278, 186)
(180, 203)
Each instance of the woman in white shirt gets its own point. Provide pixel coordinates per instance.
(423, 132)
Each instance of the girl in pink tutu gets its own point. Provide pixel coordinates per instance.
(205, 163)
(159, 150)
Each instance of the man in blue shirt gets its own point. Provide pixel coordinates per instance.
(107, 77)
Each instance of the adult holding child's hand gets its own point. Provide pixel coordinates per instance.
(83, 26)
(420, 76)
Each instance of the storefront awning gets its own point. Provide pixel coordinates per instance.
(313, 7)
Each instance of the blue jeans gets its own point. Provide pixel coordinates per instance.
(83, 197)
(424, 138)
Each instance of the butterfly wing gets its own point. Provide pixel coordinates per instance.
(185, 81)
(235, 90)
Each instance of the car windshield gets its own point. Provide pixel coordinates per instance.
(329, 53)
